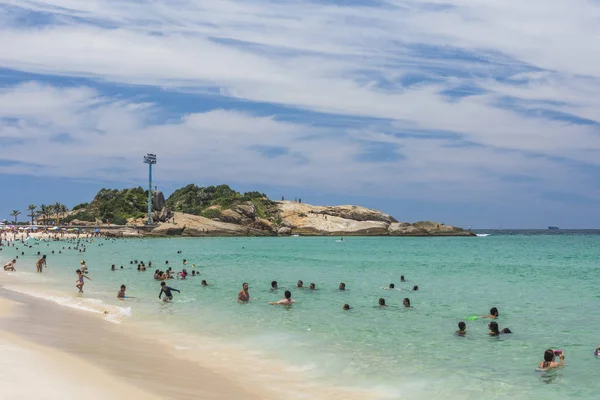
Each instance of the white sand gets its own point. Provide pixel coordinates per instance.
(30, 371)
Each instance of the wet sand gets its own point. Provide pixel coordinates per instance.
(51, 352)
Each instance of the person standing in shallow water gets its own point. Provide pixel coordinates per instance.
(244, 295)
(41, 263)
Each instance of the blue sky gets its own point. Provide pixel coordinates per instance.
(461, 111)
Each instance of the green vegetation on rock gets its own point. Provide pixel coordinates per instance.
(114, 205)
(195, 200)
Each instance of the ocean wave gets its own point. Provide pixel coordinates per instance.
(114, 314)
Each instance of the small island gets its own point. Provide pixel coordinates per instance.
(221, 211)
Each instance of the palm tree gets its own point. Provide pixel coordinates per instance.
(32, 212)
(44, 211)
(15, 213)
(59, 210)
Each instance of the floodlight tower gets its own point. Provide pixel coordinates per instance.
(150, 159)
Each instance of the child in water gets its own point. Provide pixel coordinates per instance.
(462, 329)
(79, 282)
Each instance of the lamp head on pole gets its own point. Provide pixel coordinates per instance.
(150, 159)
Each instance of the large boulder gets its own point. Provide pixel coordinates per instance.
(284, 231)
(356, 213)
(405, 229)
(248, 209)
(158, 200)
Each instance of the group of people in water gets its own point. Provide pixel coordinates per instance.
(166, 294)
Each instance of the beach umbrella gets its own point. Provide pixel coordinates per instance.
(96, 230)
(75, 229)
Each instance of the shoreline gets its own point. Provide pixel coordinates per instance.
(129, 364)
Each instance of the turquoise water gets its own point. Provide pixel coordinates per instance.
(544, 286)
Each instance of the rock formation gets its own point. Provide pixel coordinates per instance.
(290, 218)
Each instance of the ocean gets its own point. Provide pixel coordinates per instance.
(544, 285)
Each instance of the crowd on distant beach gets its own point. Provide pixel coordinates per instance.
(79, 244)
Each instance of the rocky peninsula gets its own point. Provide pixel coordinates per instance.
(219, 211)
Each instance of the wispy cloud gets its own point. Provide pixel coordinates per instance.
(455, 98)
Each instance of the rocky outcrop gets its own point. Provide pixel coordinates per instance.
(193, 225)
(290, 218)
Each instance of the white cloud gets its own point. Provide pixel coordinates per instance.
(347, 60)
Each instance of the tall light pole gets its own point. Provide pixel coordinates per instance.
(150, 159)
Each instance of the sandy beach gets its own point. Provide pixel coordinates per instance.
(50, 352)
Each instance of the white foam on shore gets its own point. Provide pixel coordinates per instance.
(113, 314)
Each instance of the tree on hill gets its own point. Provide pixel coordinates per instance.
(32, 212)
(15, 213)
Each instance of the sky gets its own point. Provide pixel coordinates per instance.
(467, 112)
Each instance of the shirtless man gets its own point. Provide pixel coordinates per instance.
(286, 301)
(41, 262)
(244, 295)
(10, 266)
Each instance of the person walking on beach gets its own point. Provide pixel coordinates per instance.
(41, 263)
(79, 282)
(286, 301)
(167, 291)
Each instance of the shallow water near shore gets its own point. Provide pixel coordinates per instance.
(544, 286)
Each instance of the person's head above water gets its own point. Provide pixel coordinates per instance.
(381, 301)
(392, 286)
(462, 326)
(494, 312)
(342, 286)
(163, 284)
(288, 294)
(204, 282)
(401, 278)
(406, 302)
(415, 288)
(123, 287)
(300, 283)
(273, 284)
(549, 355)
(245, 286)
(312, 286)
(346, 307)
(494, 330)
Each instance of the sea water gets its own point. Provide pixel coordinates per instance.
(545, 286)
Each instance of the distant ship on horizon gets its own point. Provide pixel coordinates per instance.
(553, 227)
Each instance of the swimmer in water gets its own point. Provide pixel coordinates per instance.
(493, 313)
(462, 329)
(274, 285)
(113, 268)
(244, 295)
(402, 278)
(41, 263)
(406, 302)
(391, 287)
(204, 283)
(415, 288)
(549, 357)
(167, 291)
(382, 302)
(346, 307)
(300, 285)
(342, 286)
(495, 331)
(286, 301)
(79, 282)
(312, 286)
